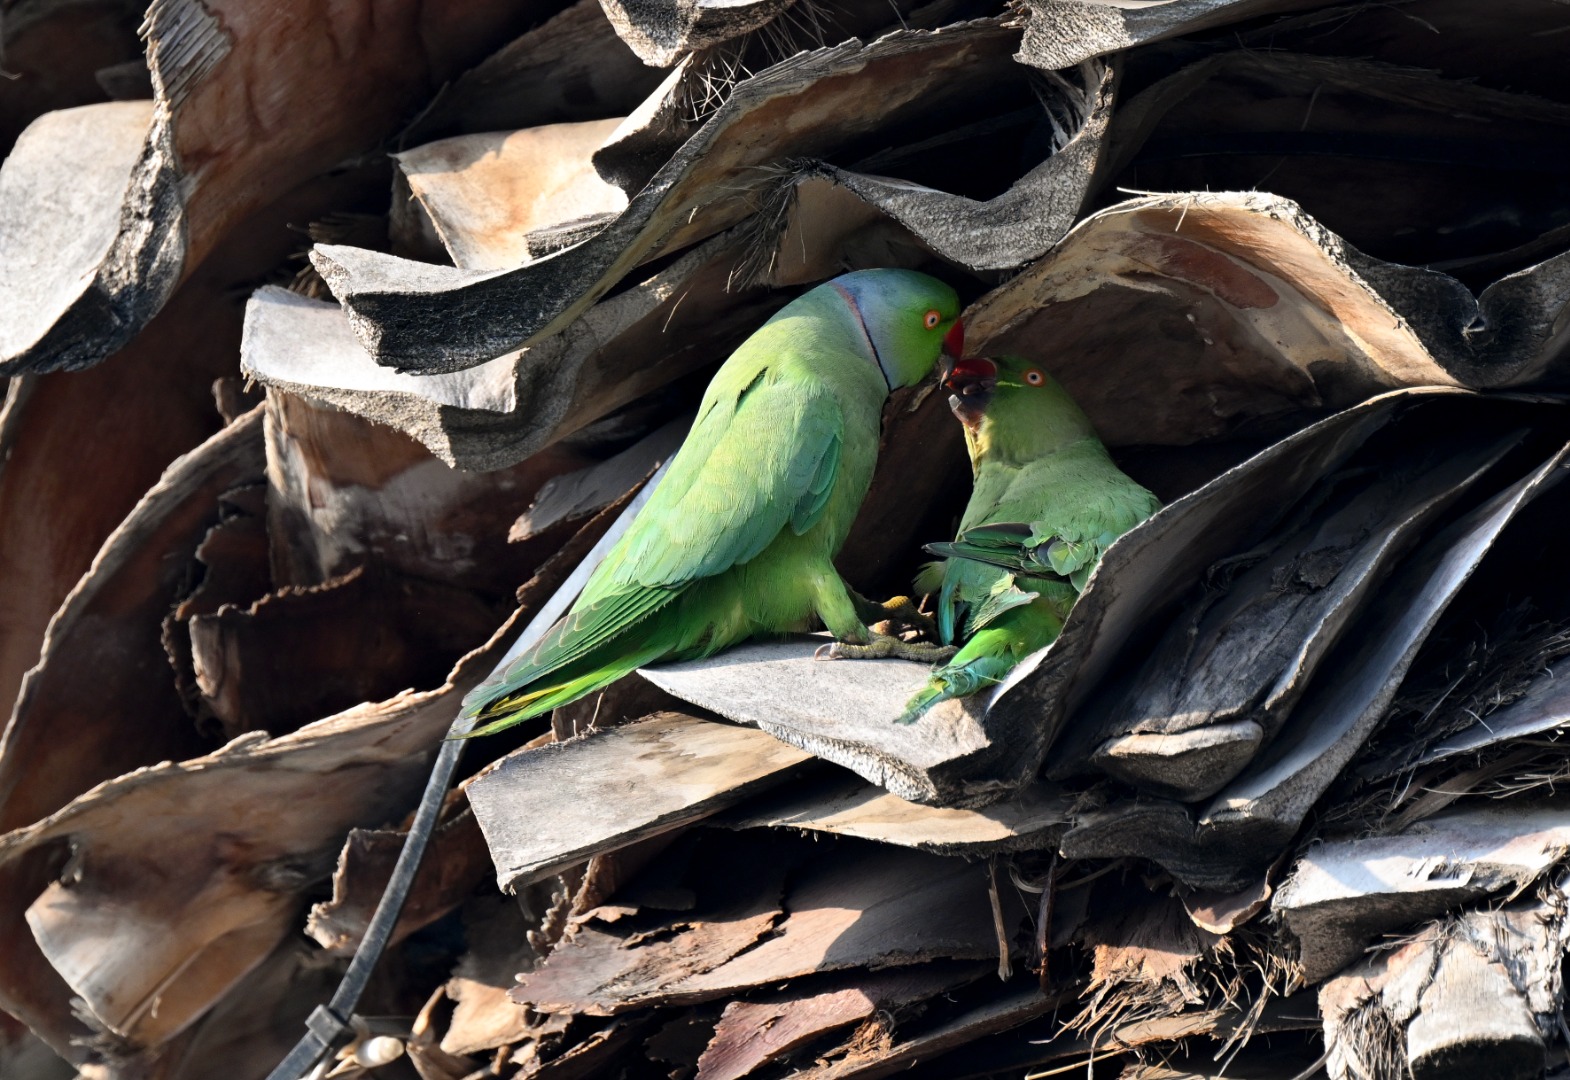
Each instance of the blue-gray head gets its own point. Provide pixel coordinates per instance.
(908, 319)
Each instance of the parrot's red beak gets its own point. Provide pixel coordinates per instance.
(954, 340)
(971, 384)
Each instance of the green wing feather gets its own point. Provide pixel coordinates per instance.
(753, 464)
(1005, 596)
(1001, 545)
(1032, 535)
(1022, 548)
(756, 462)
(581, 631)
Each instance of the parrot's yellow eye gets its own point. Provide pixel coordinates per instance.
(931, 320)
(1034, 377)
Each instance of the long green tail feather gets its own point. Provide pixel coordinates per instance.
(516, 708)
(923, 700)
(575, 638)
(955, 682)
(572, 649)
(960, 677)
(946, 615)
(987, 657)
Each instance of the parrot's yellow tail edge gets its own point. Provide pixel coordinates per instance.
(518, 708)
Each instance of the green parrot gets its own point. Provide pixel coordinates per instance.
(738, 541)
(1047, 502)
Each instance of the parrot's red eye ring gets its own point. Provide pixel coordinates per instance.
(931, 319)
(1034, 377)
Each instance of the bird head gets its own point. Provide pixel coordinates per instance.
(909, 320)
(1010, 405)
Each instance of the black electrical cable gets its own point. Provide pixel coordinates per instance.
(329, 1023)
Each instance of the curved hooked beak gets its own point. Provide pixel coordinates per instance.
(971, 384)
(953, 346)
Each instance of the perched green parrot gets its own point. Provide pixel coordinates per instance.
(1047, 502)
(738, 541)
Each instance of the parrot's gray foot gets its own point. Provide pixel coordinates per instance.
(901, 611)
(882, 646)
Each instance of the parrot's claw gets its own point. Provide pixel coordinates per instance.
(881, 647)
(900, 612)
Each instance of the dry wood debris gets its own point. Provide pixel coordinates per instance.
(337, 340)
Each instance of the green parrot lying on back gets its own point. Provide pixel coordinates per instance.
(1047, 501)
(738, 540)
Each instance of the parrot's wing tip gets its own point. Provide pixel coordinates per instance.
(491, 728)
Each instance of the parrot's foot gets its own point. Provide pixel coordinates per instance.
(901, 612)
(882, 646)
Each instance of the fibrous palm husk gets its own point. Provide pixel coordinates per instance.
(392, 303)
(61, 740)
(507, 409)
(247, 885)
(1284, 788)
(1477, 991)
(673, 796)
(184, 175)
